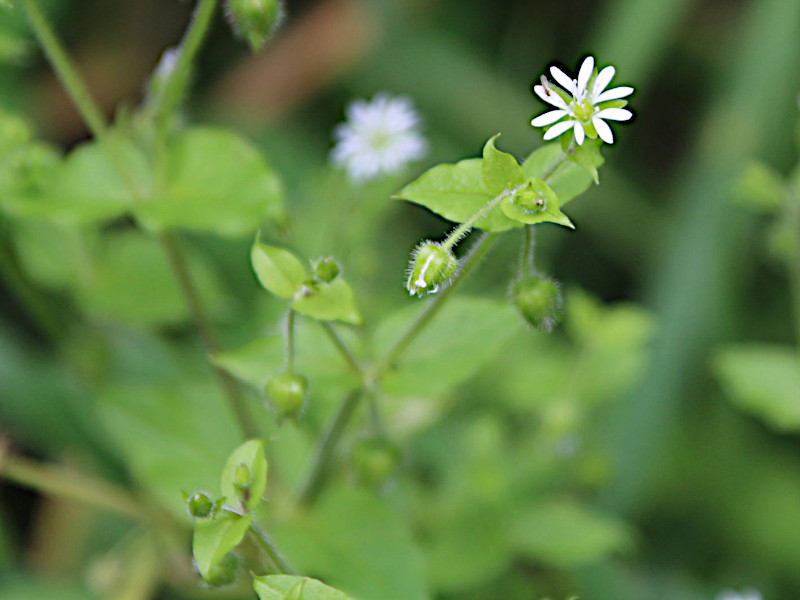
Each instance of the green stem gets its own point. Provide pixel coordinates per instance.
(476, 253)
(263, 541)
(793, 216)
(65, 483)
(528, 251)
(462, 230)
(343, 349)
(207, 333)
(65, 69)
(289, 341)
(323, 454)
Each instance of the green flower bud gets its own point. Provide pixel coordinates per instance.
(255, 20)
(374, 460)
(200, 506)
(224, 572)
(286, 395)
(326, 269)
(538, 300)
(431, 267)
(241, 477)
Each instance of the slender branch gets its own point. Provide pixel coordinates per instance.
(478, 251)
(288, 341)
(528, 250)
(342, 347)
(56, 480)
(207, 333)
(462, 230)
(65, 69)
(323, 454)
(263, 541)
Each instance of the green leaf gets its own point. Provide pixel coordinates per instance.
(280, 587)
(358, 543)
(457, 192)
(217, 181)
(567, 535)
(89, 187)
(332, 301)
(250, 454)
(465, 335)
(278, 270)
(214, 538)
(535, 202)
(500, 170)
(764, 381)
(566, 178)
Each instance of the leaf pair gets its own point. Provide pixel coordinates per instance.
(281, 273)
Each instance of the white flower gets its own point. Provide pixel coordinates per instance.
(748, 594)
(582, 108)
(379, 137)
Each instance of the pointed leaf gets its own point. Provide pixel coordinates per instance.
(534, 203)
(500, 170)
(282, 587)
(214, 538)
(332, 301)
(278, 270)
(251, 455)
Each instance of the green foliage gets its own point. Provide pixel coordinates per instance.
(760, 188)
(248, 493)
(278, 270)
(332, 301)
(763, 380)
(535, 202)
(500, 170)
(567, 178)
(215, 538)
(292, 587)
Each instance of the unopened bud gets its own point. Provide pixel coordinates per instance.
(431, 267)
(286, 394)
(200, 506)
(255, 20)
(241, 477)
(538, 301)
(326, 269)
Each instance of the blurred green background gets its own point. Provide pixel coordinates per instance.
(663, 273)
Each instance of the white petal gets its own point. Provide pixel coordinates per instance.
(603, 130)
(557, 129)
(614, 114)
(563, 80)
(579, 133)
(551, 98)
(584, 74)
(604, 77)
(614, 94)
(548, 118)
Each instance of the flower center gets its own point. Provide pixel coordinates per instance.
(582, 110)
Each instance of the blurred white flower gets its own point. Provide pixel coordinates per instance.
(379, 137)
(583, 108)
(748, 594)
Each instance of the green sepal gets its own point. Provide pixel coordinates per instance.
(456, 192)
(332, 301)
(278, 270)
(535, 202)
(214, 538)
(293, 587)
(588, 154)
(500, 170)
(565, 177)
(251, 455)
(621, 103)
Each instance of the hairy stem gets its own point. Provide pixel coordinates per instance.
(344, 350)
(263, 541)
(462, 230)
(323, 454)
(528, 251)
(288, 340)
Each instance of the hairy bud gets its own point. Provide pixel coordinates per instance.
(286, 395)
(255, 20)
(200, 506)
(326, 269)
(538, 300)
(431, 267)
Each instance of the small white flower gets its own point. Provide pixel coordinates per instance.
(379, 137)
(748, 594)
(581, 108)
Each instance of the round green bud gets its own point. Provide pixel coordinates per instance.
(326, 269)
(241, 477)
(374, 461)
(431, 267)
(538, 300)
(224, 572)
(255, 20)
(286, 394)
(200, 506)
